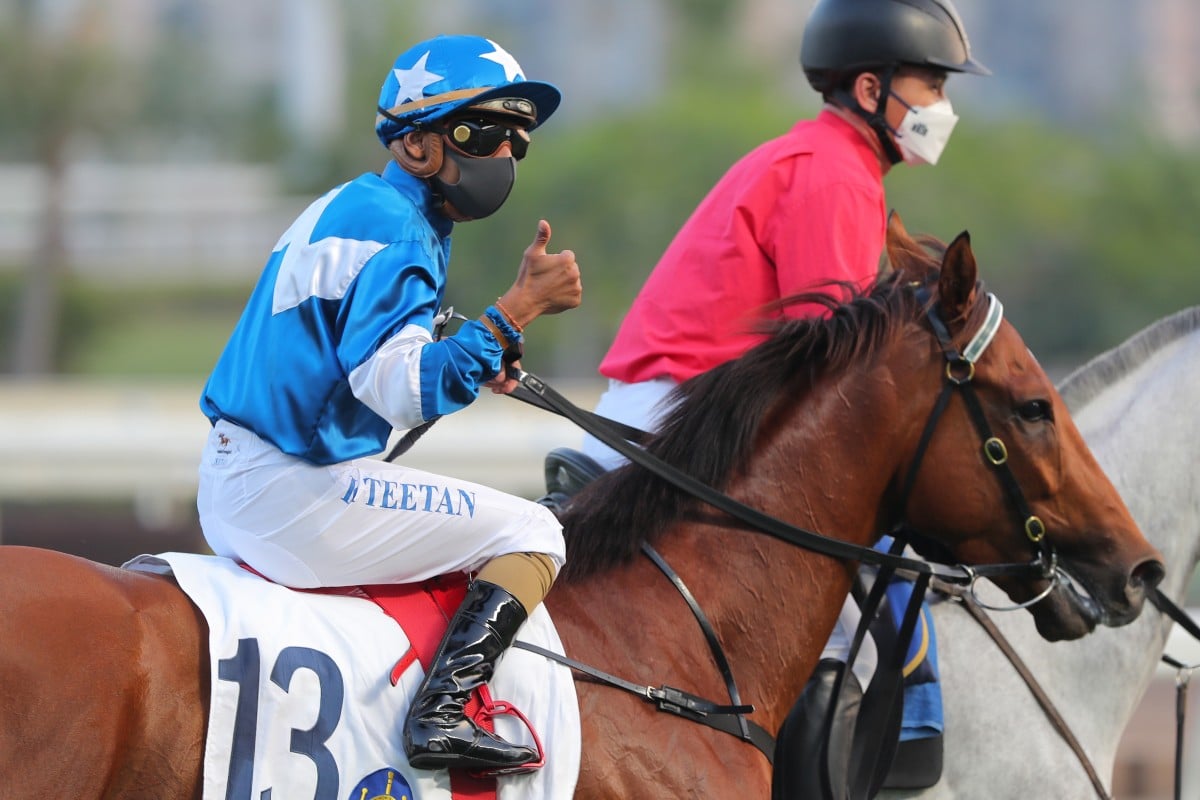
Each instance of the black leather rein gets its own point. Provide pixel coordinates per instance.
(959, 372)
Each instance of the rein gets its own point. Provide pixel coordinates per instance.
(979, 613)
(550, 399)
(959, 372)
(1183, 674)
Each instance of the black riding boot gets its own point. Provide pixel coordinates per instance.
(437, 734)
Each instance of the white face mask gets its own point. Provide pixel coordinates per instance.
(924, 131)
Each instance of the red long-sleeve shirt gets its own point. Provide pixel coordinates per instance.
(798, 210)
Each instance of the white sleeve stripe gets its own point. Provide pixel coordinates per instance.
(389, 382)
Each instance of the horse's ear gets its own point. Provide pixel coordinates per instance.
(956, 285)
(904, 254)
(899, 243)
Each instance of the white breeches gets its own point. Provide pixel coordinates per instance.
(638, 404)
(358, 522)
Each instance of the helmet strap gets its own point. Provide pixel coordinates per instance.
(383, 112)
(877, 119)
(409, 122)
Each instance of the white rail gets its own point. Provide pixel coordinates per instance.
(70, 441)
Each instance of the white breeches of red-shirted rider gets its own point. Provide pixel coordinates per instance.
(368, 521)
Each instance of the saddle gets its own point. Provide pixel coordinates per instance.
(837, 742)
(567, 471)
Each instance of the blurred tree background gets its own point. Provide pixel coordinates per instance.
(1084, 224)
(1087, 232)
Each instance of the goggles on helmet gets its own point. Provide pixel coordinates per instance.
(448, 77)
(481, 137)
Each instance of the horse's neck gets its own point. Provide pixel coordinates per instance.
(830, 459)
(794, 595)
(823, 470)
(1143, 430)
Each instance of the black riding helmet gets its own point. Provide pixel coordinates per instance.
(844, 38)
(850, 36)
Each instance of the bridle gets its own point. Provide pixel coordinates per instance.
(959, 372)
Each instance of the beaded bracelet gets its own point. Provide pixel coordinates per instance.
(512, 320)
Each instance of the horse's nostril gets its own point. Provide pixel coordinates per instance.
(1148, 574)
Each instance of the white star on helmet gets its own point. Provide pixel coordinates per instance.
(413, 81)
(502, 57)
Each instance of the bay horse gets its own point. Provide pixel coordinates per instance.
(104, 673)
(1135, 405)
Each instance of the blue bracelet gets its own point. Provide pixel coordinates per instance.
(503, 325)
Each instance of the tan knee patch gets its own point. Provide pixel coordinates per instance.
(526, 576)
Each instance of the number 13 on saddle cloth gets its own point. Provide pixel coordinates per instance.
(303, 703)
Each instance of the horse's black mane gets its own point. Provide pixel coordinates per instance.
(1089, 380)
(715, 416)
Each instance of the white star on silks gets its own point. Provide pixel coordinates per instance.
(502, 57)
(413, 81)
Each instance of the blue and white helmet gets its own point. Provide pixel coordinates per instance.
(438, 77)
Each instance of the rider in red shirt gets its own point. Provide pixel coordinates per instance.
(802, 212)
(803, 208)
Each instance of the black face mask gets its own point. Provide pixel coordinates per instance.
(483, 184)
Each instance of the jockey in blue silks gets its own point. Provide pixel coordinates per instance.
(338, 346)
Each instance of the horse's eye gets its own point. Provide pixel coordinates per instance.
(1035, 411)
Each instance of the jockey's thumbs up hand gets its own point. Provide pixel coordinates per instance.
(547, 283)
(540, 239)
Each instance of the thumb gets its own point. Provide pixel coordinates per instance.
(541, 239)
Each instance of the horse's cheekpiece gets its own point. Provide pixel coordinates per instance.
(384, 784)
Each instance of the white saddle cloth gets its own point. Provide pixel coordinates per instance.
(303, 705)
